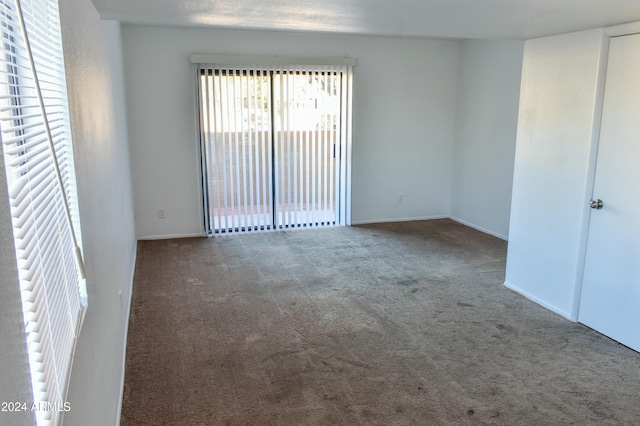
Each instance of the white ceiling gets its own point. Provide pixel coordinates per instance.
(488, 19)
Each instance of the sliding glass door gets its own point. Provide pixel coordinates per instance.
(272, 141)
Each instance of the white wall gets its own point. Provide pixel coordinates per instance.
(96, 95)
(557, 128)
(486, 121)
(404, 114)
(404, 104)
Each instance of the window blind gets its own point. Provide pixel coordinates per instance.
(38, 155)
(275, 141)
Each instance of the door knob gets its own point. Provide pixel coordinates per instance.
(596, 204)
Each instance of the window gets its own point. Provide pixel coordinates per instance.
(275, 143)
(38, 156)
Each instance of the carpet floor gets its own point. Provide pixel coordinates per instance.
(386, 324)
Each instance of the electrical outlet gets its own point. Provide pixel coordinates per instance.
(400, 198)
(161, 213)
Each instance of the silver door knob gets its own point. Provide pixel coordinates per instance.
(596, 204)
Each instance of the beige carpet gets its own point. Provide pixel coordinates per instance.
(389, 324)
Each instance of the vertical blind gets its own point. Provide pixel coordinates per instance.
(275, 143)
(36, 141)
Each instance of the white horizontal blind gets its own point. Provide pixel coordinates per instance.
(52, 287)
(272, 138)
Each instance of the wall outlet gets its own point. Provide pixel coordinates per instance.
(400, 198)
(161, 213)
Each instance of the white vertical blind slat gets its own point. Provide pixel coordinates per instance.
(278, 142)
(318, 168)
(325, 149)
(212, 148)
(307, 168)
(290, 112)
(207, 115)
(314, 175)
(261, 170)
(220, 150)
(225, 107)
(294, 152)
(286, 154)
(243, 136)
(279, 159)
(345, 153)
(251, 99)
(300, 134)
(321, 153)
(332, 146)
(203, 114)
(236, 149)
(269, 135)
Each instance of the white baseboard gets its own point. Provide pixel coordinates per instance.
(540, 302)
(355, 222)
(397, 219)
(168, 237)
(479, 228)
(407, 219)
(126, 333)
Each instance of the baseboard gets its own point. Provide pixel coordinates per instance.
(356, 222)
(479, 228)
(126, 334)
(540, 302)
(168, 237)
(455, 219)
(397, 219)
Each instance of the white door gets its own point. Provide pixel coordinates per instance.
(610, 300)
